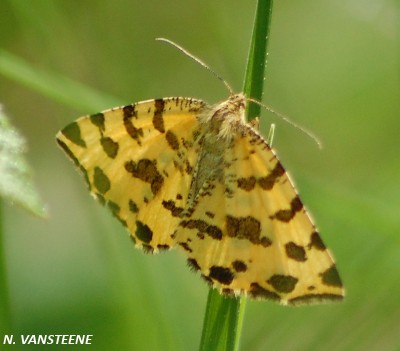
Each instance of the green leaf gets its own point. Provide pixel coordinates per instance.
(16, 184)
(53, 86)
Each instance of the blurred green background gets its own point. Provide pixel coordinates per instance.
(333, 67)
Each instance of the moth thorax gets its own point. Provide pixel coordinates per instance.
(234, 107)
(225, 119)
(229, 116)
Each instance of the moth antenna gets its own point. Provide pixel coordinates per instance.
(286, 119)
(196, 59)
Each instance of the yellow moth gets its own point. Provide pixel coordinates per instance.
(178, 172)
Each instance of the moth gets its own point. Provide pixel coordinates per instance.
(178, 172)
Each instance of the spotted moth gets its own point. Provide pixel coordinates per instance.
(177, 172)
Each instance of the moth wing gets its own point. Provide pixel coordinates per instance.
(251, 234)
(137, 160)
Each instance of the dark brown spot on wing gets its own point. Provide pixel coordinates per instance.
(143, 232)
(214, 232)
(192, 263)
(75, 160)
(188, 168)
(110, 147)
(170, 206)
(210, 214)
(228, 292)
(195, 224)
(315, 298)
(203, 227)
(331, 277)
(200, 235)
(243, 228)
(158, 120)
(268, 181)
(295, 252)
(247, 228)
(296, 204)
(172, 140)
(135, 133)
(257, 291)
(283, 283)
(264, 241)
(133, 207)
(317, 242)
(239, 266)
(163, 247)
(129, 111)
(246, 184)
(185, 246)
(115, 209)
(101, 181)
(146, 170)
(101, 199)
(98, 120)
(73, 133)
(287, 215)
(221, 274)
(147, 249)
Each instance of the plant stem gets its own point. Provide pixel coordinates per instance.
(224, 315)
(257, 59)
